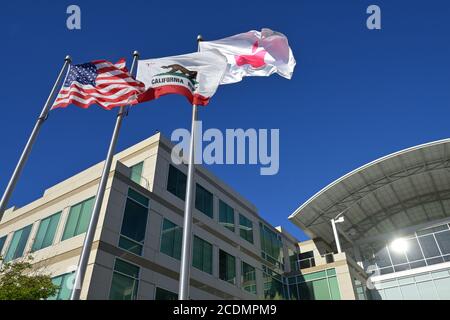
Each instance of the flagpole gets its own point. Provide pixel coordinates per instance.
(26, 151)
(87, 245)
(185, 265)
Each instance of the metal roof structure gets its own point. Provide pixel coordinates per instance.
(406, 188)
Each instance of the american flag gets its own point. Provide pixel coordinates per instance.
(101, 82)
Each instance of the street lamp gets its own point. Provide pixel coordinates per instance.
(338, 219)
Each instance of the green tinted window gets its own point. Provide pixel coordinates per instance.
(334, 288)
(46, 232)
(79, 218)
(271, 246)
(18, 243)
(248, 276)
(202, 255)
(273, 287)
(176, 183)
(125, 281)
(204, 200)
(171, 236)
(136, 196)
(136, 172)
(134, 224)
(321, 291)
(226, 215)
(2, 243)
(64, 283)
(245, 228)
(227, 267)
(162, 294)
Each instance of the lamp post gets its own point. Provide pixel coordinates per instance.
(338, 219)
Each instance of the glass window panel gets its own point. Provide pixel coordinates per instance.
(78, 220)
(271, 246)
(432, 230)
(176, 182)
(18, 244)
(171, 237)
(226, 215)
(422, 277)
(417, 264)
(435, 260)
(130, 245)
(404, 281)
(134, 221)
(202, 255)
(124, 284)
(2, 243)
(410, 292)
(306, 291)
(123, 287)
(85, 216)
(204, 201)
(443, 239)
(162, 294)
(321, 290)
(40, 234)
(427, 290)
(64, 283)
(293, 292)
(306, 255)
(136, 196)
(393, 293)
(245, 228)
(429, 246)
(331, 272)
(440, 274)
(397, 257)
(126, 268)
(413, 251)
(136, 172)
(227, 267)
(46, 232)
(51, 230)
(401, 267)
(72, 221)
(386, 270)
(334, 288)
(443, 288)
(248, 276)
(382, 258)
(314, 275)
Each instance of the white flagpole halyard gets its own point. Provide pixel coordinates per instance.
(185, 265)
(26, 151)
(87, 245)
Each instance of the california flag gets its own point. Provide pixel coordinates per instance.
(254, 53)
(195, 76)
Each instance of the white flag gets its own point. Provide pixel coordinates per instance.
(254, 53)
(194, 75)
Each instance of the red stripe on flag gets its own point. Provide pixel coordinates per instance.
(155, 93)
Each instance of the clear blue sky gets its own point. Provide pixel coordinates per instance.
(356, 94)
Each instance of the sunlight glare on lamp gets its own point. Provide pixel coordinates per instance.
(399, 245)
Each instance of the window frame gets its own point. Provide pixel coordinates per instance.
(146, 223)
(78, 220)
(224, 223)
(126, 275)
(33, 249)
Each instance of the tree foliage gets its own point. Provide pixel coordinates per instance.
(20, 281)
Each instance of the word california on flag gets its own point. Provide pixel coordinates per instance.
(101, 82)
(254, 53)
(195, 76)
